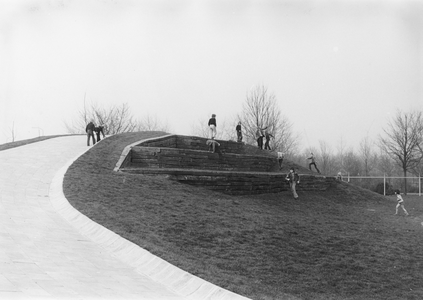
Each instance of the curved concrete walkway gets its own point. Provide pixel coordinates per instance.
(48, 250)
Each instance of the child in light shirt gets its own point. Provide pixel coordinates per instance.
(400, 203)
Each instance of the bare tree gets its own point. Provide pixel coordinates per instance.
(149, 123)
(352, 163)
(385, 164)
(402, 141)
(367, 155)
(200, 129)
(418, 170)
(119, 119)
(13, 132)
(340, 156)
(116, 119)
(260, 110)
(326, 165)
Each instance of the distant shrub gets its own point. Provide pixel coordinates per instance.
(412, 189)
(389, 190)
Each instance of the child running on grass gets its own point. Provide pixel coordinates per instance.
(400, 203)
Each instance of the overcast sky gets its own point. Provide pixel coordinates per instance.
(338, 69)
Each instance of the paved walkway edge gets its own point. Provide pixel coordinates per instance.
(128, 148)
(143, 262)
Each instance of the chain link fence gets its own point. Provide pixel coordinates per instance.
(386, 185)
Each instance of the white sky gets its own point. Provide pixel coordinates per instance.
(339, 69)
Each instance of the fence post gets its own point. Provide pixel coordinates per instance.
(384, 184)
(348, 177)
(420, 185)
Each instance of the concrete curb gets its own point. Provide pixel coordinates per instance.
(141, 260)
(128, 148)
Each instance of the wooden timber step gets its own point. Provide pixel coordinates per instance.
(238, 183)
(145, 157)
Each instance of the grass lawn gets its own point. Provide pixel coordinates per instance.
(344, 243)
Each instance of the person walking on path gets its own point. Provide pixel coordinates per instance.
(89, 129)
(238, 132)
(293, 179)
(400, 203)
(98, 130)
(212, 126)
(312, 162)
(268, 136)
(280, 159)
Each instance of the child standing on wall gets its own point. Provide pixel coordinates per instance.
(400, 203)
(280, 159)
(238, 132)
(260, 136)
(212, 125)
(312, 162)
(267, 136)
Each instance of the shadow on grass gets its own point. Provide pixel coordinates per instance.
(344, 243)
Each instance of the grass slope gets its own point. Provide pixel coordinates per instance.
(344, 243)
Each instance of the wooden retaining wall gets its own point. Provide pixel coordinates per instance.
(240, 183)
(193, 143)
(153, 157)
(187, 160)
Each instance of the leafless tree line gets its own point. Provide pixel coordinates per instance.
(398, 151)
(115, 119)
(403, 141)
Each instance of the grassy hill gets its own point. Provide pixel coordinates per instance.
(344, 243)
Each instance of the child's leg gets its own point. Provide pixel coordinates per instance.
(396, 208)
(403, 208)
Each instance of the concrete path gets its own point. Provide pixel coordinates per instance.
(50, 251)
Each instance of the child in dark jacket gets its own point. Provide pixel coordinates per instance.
(238, 132)
(89, 129)
(98, 130)
(212, 125)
